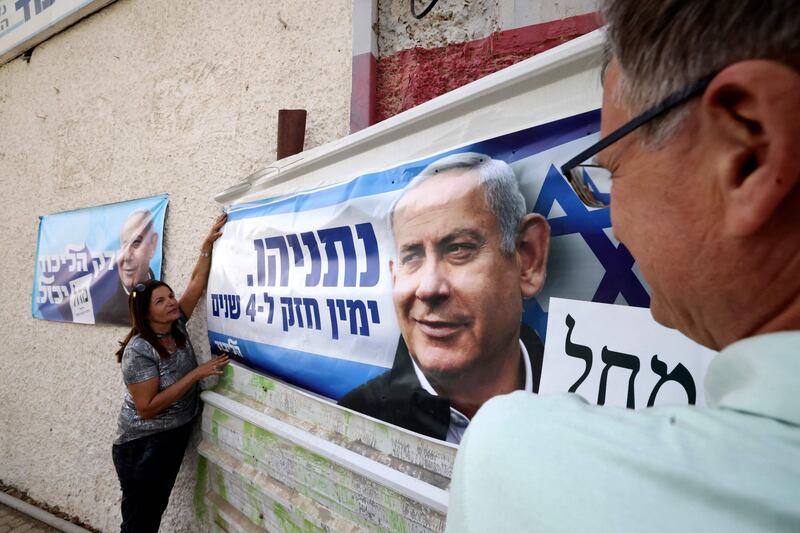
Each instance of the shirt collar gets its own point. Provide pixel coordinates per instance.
(423, 381)
(149, 277)
(758, 375)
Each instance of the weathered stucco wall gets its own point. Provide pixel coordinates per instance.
(456, 21)
(460, 41)
(142, 98)
(411, 77)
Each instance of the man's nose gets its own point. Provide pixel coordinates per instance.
(433, 283)
(125, 253)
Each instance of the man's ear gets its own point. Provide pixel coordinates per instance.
(391, 271)
(532, 247)
(753, 109)
(153, 238)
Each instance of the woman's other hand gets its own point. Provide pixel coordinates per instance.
(213, 367)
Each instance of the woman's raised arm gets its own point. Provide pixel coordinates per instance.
(199, 279)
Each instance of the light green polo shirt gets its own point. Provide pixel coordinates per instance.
(555, 463)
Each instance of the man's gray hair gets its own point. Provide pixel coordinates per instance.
(664, 45)
(147, 220)
(500, 186)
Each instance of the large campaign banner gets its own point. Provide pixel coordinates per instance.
(88, 260)
(381, 291)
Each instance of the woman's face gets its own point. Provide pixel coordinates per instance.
(163, 306)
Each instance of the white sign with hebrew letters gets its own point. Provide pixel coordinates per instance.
(26, 23)
(618, 355)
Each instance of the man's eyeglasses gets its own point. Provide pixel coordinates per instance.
(592, 181)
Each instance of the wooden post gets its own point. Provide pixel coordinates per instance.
(291, 131)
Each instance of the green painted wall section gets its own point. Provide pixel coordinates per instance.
(259, 437)
(287, 524)
(225, 380)
(261, 386)
(218, 417)
(256, 442)
(254, 499)
(397, 522)
(200, 508)
(222, 490)
(334, 488)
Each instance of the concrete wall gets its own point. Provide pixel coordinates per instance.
(456, 21)
(414, 76)
(460, 41)
(274, 458)
(141, 98)
(400, 62)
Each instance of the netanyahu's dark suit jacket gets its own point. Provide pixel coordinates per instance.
(397, 396)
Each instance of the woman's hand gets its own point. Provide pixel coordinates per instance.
(199, 279)
(214, 234)
(149, 401)
(213, 367)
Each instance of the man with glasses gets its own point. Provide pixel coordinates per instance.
(700, 129)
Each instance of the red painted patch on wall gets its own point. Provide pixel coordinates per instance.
(411, 77)
(363, 95)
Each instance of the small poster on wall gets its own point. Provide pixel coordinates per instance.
(88, 260)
